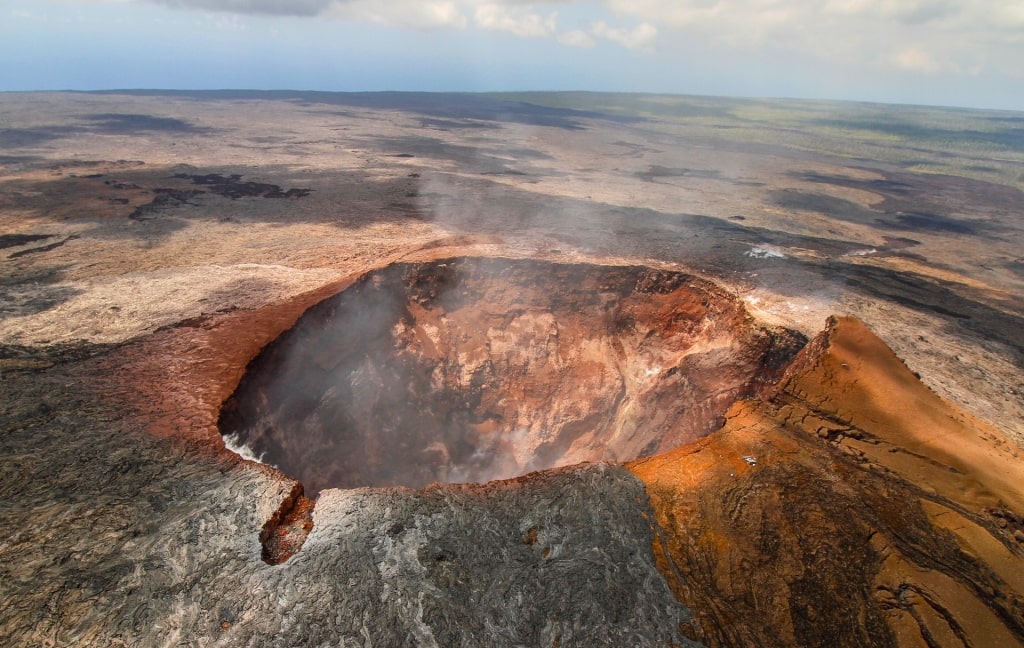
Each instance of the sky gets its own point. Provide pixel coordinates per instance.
(931, 52)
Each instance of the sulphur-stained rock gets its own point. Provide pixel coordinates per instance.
(880, 532)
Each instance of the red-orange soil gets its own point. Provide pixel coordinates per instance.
(850, 507)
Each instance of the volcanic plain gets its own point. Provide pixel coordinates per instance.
(549, 369)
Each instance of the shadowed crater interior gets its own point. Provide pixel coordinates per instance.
(474, 369)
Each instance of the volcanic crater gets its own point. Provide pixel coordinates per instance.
(474, 369)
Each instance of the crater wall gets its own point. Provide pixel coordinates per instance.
(475, 369)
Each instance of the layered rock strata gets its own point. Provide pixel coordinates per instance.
(851, 507)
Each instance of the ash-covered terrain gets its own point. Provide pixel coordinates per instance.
(383, 294)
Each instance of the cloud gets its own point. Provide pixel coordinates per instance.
(868, 36)
(515, 20)
(916, 59)
(641, 37)
(948, 36)
(416, 15)
(271, 7)
(406, 13)
(577, 38)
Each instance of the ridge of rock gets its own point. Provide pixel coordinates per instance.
(851, 507)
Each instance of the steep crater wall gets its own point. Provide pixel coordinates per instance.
(474, 369)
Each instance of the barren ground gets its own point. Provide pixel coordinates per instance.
(153, 243)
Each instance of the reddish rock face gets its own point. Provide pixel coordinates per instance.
(850, 506)
(475, 369)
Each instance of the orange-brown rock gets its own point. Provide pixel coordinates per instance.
(851, 507)
(471, 369)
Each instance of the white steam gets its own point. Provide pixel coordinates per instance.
(765, 252)
(234, 443)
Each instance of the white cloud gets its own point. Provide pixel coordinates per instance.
(641, 37)
(515, 20)
(417, 15)
(228, 23)
(273, 7)
(916, 59)
(429, 14)
(577, 38)
(923, 36)
(949, 36)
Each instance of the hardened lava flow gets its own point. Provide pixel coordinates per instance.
(478, 369)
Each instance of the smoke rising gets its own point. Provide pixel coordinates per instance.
(479, 369)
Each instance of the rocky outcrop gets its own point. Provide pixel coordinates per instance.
(851, 507)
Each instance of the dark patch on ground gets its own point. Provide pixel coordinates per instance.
(508, 172)
(234, 187)
(44, 248)
(27, 137)
(929, 223)
(913, 193)
(31, 291)
(899, 242)
(156, 204)
(887, 186)
(656, 171)
(851, 212)
(837, 208)
(231, 186)
(15, 240)
(457, 124)
(100, 124)
(18, 159)
(127, 123)
(120, 185)
(19, 301)
(164, 199)
(63, 352)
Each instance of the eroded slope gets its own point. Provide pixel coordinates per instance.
(851, 507)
